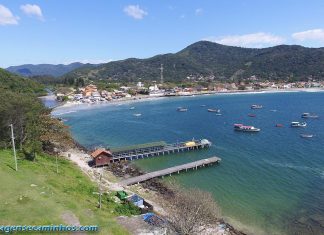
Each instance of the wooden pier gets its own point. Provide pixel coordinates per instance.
(157, 149)
(169, 171)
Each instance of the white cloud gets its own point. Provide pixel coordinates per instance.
(135, 11)
(313, 35)
(198, 11)
(32, 10)
(6, 17)
(256, 40)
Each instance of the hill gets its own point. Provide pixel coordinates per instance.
(37, 195)
(18, 84)
(29, 70)
(208, 60)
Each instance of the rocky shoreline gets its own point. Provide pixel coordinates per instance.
(127, 170)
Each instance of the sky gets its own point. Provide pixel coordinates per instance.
(98, 31)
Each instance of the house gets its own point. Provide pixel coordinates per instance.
(140, 203)
(101, 157)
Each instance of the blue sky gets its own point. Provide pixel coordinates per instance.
(64, 31)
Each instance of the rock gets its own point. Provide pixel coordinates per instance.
(33, 185)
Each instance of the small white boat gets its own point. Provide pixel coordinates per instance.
(131, 108)
(273, 110)
(218, 114)
(241, 127)
(181, 109)
(306, 135)
(309, 115)
(256, 106)
(137, 114)
(298, 124)
(214, 110)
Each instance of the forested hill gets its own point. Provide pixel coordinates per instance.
(15, 83)
(212, 60)
(29, 70)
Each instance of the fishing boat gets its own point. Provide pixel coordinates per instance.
(309, 115)
(279, 125)
(181, 109)
(298, 124)
(256, 106)
(251, 115)
(213, 110)
(306, 135)
(242, 128)
(137, 114)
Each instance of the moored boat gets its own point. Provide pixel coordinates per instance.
(256, 106)
(306, 135)
(251, 115)
(241, 127)
(213, 110)
(181, 109)
(309, 115)
(279, 125)
(298, 124)
(137, 114)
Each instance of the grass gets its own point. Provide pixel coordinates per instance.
(37, 195)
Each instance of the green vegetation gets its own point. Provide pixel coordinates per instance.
(127, 209)
(37, 195)
(17, 84)
(45, 69)
(216, 62)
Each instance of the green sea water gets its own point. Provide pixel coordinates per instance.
(271, 182)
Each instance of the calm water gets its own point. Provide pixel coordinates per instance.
(271, 182)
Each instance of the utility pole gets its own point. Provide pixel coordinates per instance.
(100, 193)
(13, 145)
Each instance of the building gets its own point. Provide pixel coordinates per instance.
(101, 157)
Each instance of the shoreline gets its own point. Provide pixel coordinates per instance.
(145, 98)
(153, 191)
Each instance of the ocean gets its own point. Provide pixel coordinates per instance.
(271, 182)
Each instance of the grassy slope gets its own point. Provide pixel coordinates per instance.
(70, 190)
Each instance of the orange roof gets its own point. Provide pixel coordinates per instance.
(99, 151)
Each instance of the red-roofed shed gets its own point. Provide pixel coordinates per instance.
(101, 157)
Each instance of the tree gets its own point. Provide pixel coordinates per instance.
(191, 211)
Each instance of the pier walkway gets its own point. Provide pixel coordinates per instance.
(157, 149)
(169, 171)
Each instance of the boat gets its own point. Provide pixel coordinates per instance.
(309, 115)
(202, 105)
(131, 108)
(219, 114)
(137, 114)
(306, 135)
(273, 110)
(214, 110)
(256, 106)
(298, 124)
(251, 115)
(181, 109)
(279, 125)
(241, 127)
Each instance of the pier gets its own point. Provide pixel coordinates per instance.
(156, 149)
(169, 171)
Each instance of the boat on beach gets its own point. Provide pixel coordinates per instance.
(298, 124)
(214, 110)
(256, 106)
(309, 115)
(242, 128)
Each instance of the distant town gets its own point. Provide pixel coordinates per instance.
(93, 94)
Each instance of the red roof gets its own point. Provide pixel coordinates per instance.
(100, 151)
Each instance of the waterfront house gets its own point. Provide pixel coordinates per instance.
(101, 157)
